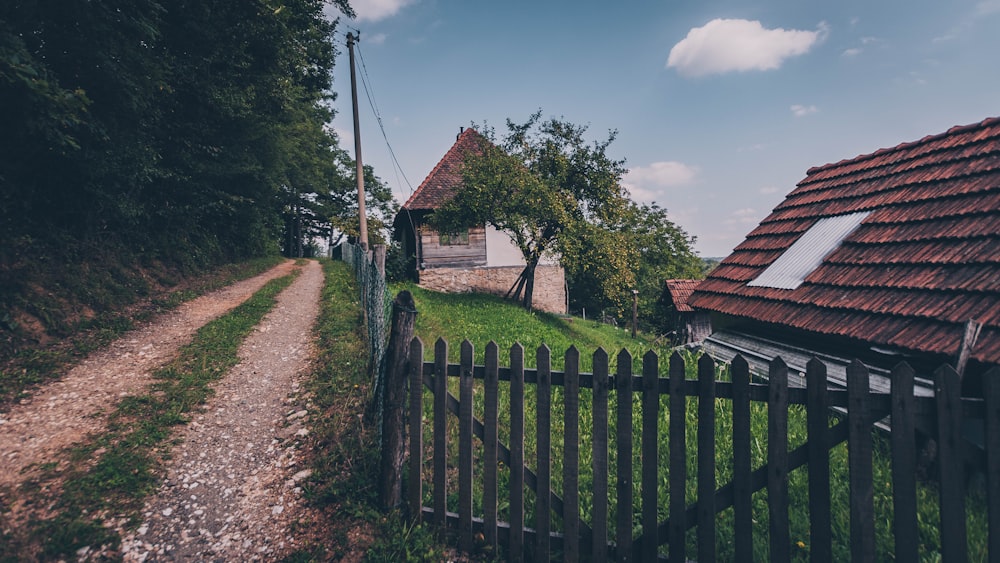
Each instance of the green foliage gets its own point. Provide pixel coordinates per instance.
(186, 130)
(540, 183)
(406, 542)
(649, 246)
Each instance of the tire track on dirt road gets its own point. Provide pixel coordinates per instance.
(64, 412)
(231, 488)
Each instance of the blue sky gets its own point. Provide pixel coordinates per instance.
(720, 107)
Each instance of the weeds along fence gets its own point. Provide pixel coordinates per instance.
(375, 305)
(701, 463)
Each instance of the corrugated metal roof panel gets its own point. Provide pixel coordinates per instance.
(808, 252)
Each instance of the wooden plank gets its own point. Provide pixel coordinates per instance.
(677, 527)
(650, 459)
(440, 431)
(571, 456)
(991, 393)
(742, 494)
(543, 505)
(947, 390)
(969, 337)
(414, 483)
(465, 449)
(777, 461)
(623, 524)
(817, 423)
(706, 458)
(530, 480)
(904, 460)
(859, 455)
(491, 414)
(599, 549)
(393, 451)
(516, 453)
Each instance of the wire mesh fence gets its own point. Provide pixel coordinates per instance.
(376, 304)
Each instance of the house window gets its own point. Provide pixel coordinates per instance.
(807, 253)
(454, 239)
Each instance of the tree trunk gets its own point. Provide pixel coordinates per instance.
(529, 285)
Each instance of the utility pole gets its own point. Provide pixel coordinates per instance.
(362, 217)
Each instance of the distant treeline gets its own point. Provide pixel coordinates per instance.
(181, 129)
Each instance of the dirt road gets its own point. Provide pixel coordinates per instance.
(230, 488)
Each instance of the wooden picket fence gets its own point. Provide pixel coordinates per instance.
(590, 540)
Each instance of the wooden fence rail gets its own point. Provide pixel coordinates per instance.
(600, 539)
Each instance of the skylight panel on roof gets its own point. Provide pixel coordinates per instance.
(807, 253)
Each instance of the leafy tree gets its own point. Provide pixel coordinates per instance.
(541, 183)
(177, 127)
(656, 249)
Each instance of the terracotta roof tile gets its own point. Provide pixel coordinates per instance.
(680, 291)
(446, 178)
(926, 260)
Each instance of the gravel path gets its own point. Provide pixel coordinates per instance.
(231, 491)
(64, 412)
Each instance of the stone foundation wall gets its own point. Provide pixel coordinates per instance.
(550, 283)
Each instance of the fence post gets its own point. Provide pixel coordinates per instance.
(404, 314)
(415, 488)
(380, 258)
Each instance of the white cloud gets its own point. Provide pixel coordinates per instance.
(799, 110)
(769, 190)
(727, 45)
(853, 52)
(374, 10)
(346, 137)
(377, 39)
(987, 7)
(646, 183)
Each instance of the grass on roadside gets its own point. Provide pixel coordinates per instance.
(110, 476)
(32, 365)
(345, 446)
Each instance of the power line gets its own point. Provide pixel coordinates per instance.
(369, 92)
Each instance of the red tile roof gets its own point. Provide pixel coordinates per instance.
(926, 259)
(446, 178)
(680, 292)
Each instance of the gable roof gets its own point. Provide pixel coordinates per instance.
(445, 179)
(680, 291)
(922, 263)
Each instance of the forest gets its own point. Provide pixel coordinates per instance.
(167, 133)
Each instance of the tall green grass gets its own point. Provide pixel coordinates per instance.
(482, 319)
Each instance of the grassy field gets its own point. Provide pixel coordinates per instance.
(481, 319)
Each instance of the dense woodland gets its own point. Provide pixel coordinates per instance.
(185, 133)
(143, 140)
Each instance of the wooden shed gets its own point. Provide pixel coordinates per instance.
(480, 258)
(688, 325)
